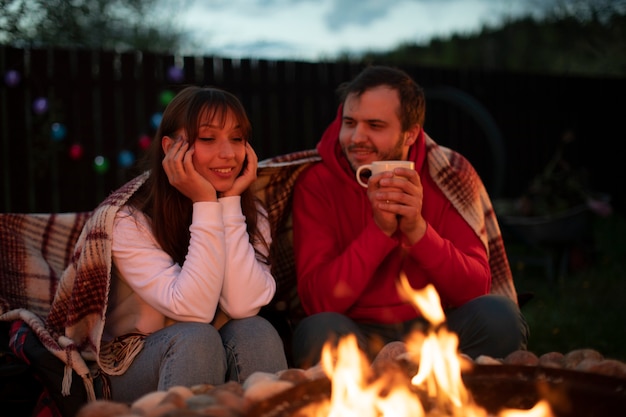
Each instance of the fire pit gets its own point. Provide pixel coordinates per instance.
(569, 393)
(432, 379)
(423, 376)
(495, 388)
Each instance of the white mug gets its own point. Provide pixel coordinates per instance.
(377, 167)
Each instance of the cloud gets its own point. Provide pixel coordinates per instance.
(261, 48)
(314, 29)
(357, 12)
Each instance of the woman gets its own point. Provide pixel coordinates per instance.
(190, 258)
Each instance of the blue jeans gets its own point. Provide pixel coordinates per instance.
(490, 325)
(197, 353)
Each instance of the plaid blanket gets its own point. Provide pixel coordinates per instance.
(460, 182)
(55, 268)
(275, 181)
(56, 279)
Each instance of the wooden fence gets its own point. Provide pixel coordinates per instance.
(63, 110)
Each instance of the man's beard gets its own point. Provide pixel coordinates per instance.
(395, 153)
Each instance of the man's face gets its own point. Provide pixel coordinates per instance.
(371, 129)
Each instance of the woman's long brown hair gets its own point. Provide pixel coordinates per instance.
(169, 210)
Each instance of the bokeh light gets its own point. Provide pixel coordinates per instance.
(40, 105)
(144, 142)
(12, 78)
(101, 164)
(58, 131)
(165, 97)
(155, 120)
(126, 158)
(76, 151)
(175, 74)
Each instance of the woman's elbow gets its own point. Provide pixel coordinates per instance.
(241, 312)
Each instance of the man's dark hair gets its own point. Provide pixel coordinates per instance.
(412, 100)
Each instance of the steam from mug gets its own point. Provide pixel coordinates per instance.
(377, 167)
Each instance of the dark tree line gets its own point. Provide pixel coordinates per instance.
(122, 25)
(586, 37)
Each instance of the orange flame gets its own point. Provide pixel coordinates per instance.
(353, 395)
(356, 393)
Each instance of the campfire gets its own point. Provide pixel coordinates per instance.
(432, 378)
(436, 388)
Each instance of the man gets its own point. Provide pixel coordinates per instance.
(434, 223)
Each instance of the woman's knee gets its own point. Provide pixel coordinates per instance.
(192, 340)
(180, 354)
(252, 330)
(252, 345)
(195, 338)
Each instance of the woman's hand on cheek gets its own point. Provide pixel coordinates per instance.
(182, 175)
(248, 174)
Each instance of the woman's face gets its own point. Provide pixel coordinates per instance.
(220, 150)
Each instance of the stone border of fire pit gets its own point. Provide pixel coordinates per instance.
(579, 383)
(584, 360)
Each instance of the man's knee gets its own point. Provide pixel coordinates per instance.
(313, 332)
(489, 325)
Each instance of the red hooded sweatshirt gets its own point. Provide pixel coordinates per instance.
(346, 264)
